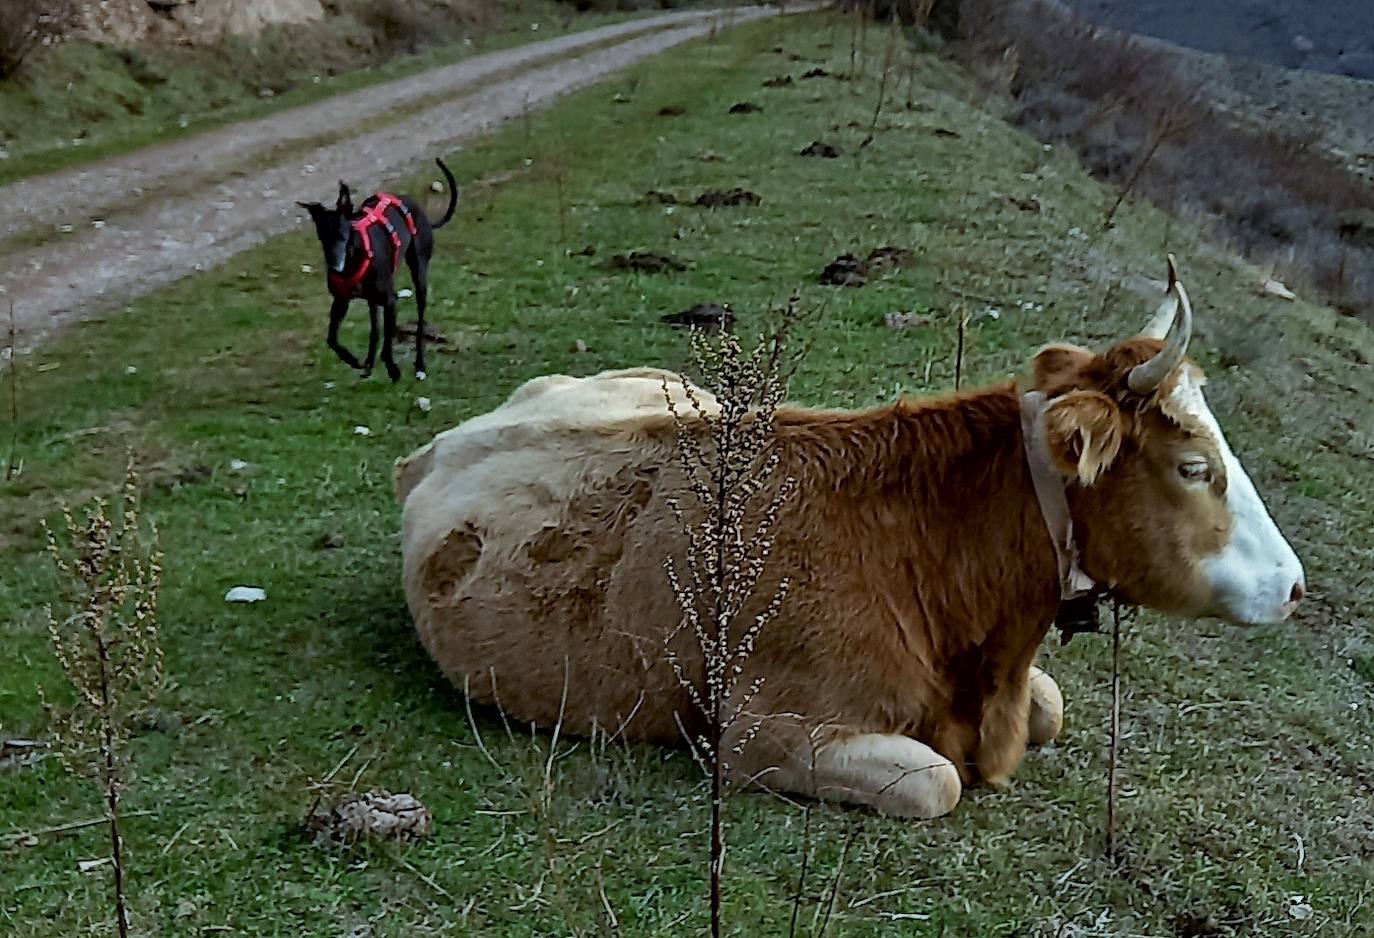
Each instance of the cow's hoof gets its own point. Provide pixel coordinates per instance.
(419, 376)
(1046, 708)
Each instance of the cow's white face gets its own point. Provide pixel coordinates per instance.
(1255, 577)
(1163, 510)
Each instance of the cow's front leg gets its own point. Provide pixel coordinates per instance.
(897, 775)
(1046, 708)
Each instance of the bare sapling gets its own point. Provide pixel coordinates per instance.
(104, 634)
(732, 495)
(888, 54)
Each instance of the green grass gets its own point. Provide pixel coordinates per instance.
(1240, 744)
(78, 102)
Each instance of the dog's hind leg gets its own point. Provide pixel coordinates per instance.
(389, 333)
(371, 339)
(419, 275)
(336, 317)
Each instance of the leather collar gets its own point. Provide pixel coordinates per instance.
(1050, 492)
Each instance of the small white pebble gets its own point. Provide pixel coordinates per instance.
(436, 186)
(361, 430)
(130, 370)
(423, 404)
(97, 224)
(307, 269)
(65, 229)
(245, 594)
(238, 465)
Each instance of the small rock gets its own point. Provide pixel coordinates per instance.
(1300, 911)
(404, 293)
(745, 107)
(245, 594)
(238, 465)
(307, 269)
(1273, 287)
(818, 148)
(436, 186)
(579, 346)
(423, 404)
(361, 430)
(97, 224)
(377, 815)
(130, 370)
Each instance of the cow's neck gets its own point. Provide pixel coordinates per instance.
(944, 493)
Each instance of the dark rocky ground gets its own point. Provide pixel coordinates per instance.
(1334, 36)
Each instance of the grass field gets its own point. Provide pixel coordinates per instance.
(1248, 777)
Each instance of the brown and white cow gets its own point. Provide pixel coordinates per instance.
(923, 569)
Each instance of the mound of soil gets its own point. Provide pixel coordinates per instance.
(713, 317)
(745, 107)
(717, 198)
(645, 262)
(848, 270)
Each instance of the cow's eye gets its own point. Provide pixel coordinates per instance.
(1195, 470)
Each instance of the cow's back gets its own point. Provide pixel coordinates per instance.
(532, 538)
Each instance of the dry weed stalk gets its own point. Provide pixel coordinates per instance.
(728, 512)
(107, 645)
(13, 464)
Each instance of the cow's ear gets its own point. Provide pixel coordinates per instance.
(1084, 431)
(1058, 366)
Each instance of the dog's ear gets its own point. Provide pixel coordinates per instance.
(314, 208)
(345, 202)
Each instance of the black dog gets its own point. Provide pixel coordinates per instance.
(362, 252)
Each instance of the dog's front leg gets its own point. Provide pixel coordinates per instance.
(389, 332)
(336, 317)
(371, 338)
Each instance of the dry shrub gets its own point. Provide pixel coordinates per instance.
(26, 23)
(1135, 118)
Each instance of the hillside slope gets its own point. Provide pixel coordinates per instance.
(1247, 767)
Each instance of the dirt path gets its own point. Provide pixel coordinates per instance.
(140, 221)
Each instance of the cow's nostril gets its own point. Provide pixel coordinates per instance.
(1297, 594)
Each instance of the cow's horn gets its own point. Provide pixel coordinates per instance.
(1172, 322)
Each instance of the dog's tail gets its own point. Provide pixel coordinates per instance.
(452, 196)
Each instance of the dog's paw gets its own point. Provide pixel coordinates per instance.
(419, 376)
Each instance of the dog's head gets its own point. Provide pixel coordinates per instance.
(333, 226)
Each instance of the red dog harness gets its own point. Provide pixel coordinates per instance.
(347, 285)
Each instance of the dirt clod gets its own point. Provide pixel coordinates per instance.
(745, 107)
(405, 332)
(717, 198)
(844, 271)
(377, 815)
(819, 148)
(709, 316)
(848, 270)
(645, 262)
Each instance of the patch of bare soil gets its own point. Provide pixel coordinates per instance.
(719, 198)
(645, 263)
(714, 317)
(111, 231)
(848, 270)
